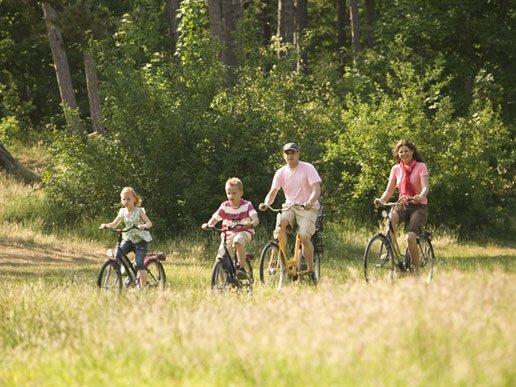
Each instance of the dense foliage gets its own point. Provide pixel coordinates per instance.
(438, 74)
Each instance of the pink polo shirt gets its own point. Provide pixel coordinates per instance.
(296, 183)
(420, 170)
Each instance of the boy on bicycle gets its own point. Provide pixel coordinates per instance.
(233, 211)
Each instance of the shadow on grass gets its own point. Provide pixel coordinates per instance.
(505, 263)
(64, 276)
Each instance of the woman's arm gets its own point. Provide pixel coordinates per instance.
(425, 188)
(391, 186)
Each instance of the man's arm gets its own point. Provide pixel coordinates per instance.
(269, 199)
(314, 196)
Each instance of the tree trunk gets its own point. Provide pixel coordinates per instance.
(266, 21)
(14, 168)
(370, 18)
(172, 10)
(285, 23)
(230, 12)
(355, 27)
(64, 79)
(301, 21)
(342, 17)
(92, 84)
(223, 15)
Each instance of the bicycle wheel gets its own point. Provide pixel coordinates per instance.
(219, 277)
(155, 274)
(249, 269)
(317, 266)
(272, 270)
(427, 258)
(378, 260)
(110, 278)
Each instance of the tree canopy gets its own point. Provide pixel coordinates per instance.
(192, 92)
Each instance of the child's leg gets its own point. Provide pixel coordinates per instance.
(239, 242)
(140, 252)
(240, 252)
(125, 248)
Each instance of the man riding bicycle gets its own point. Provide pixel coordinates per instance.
(301, 185)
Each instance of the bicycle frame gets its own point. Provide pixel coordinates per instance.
(399, 258)
(292, 264)
(125, 261)
(229, 263)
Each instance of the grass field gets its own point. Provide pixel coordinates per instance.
(57, 329)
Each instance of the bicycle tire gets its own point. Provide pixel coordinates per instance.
(272, 269)
(378, 259)
(427, 257)
(156, 277)
(249, 269)
(219, 277)
(317, 266)
(110, 278)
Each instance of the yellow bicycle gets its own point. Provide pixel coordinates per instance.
(277, 267)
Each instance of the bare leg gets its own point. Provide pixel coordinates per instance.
(308, 251)
(282, 234)
(413, 250)
(240, 252)
(142, 274)
(395, 218)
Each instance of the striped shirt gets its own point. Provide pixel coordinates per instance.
(229, 215)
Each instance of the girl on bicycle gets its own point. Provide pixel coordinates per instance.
(136, 239)
(410, 176)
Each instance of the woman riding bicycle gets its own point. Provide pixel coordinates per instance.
(410, 176)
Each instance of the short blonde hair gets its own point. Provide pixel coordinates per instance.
(235, 182)
(138, 201)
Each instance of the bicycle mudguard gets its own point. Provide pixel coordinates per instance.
(158, 256)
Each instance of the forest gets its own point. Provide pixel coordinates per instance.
(174, 97)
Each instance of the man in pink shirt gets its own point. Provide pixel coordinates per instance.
(301, 185)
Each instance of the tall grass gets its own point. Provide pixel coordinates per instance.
(57, 329)
(459, 331)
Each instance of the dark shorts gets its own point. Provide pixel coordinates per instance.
(414, 216)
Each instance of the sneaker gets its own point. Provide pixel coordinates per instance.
(241, 274)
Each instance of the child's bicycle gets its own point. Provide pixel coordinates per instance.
(383, 258)
(112, 276)
(224, 273)
(276, 266)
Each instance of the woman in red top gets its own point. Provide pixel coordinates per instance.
(410, 176)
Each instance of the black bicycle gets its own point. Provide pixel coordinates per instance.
(224, 273)
(382, 257)
(114, 277)
(276, 265)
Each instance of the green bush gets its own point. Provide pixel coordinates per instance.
(467, 157)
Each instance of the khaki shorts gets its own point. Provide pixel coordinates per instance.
(241, 237)
(414, 216)
(305, 220)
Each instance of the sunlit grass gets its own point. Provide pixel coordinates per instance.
(458, 330)
(56, 328)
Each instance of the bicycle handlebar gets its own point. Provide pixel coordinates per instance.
(119, 230)
(392, 204)
(284, 209)
(221, 229)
